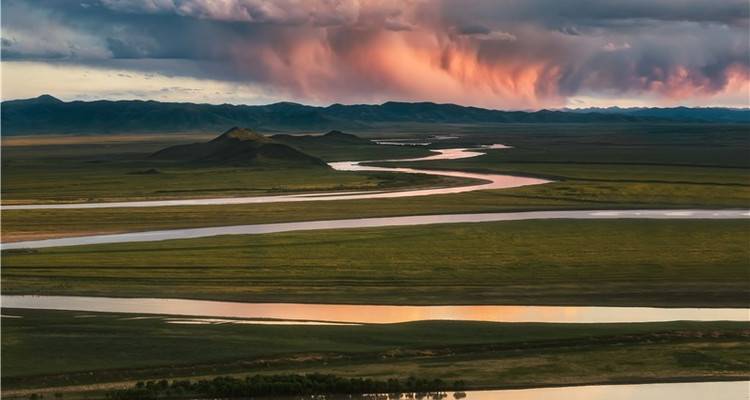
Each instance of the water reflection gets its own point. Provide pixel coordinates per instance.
(682, 391)
(376, 314)
(220, 321)
(372, 223)
(739, 390)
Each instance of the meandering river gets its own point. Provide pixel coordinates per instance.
(375, 222)
(370, 314)
(487, 181)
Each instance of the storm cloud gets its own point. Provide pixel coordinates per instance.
(492, 53)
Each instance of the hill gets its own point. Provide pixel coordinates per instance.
(239, 146)
(47, 114)
(331, 138)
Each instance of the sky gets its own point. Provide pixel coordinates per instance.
(498, 54)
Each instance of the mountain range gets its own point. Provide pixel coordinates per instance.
(47, 114)
(712, 114)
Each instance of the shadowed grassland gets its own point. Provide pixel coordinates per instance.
(117, 170)
(50, 348)
(604, 262)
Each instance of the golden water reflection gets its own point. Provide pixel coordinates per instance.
(376, 314)
(739, 390)
(682, 391)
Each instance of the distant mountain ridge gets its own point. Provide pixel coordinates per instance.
(46, 114)
(710, 114)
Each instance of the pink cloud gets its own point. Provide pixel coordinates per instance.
(491, 53)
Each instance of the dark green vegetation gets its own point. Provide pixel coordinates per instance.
(282, 385)
(117, 168)
(602, 262)
(47, 114)
(55, 348)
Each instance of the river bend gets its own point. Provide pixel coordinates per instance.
(486, 182)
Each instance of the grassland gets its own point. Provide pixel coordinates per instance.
(620, 167)
(45, 348)
(614, 262)
(107, 169)
(604, 262)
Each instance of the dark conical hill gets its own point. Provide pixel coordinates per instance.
(239, 146)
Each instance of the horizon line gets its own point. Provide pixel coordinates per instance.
(561, 109)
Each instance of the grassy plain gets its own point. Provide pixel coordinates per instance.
(45, 348)
(49, 170)
(604, 262)
(615, 262)
(640, 166)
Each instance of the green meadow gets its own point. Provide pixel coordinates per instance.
(58, 348)
(601, 262)
(106, 169)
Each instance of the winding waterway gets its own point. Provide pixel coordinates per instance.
(258, 229)
(487, 181)
(368, 314)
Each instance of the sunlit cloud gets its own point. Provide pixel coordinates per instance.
(492, 53)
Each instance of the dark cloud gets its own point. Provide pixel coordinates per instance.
(570, 30)
(131, 49)
(507, 51)
(557, 14)
(473, 28)
(284, 12)
(660, 64)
